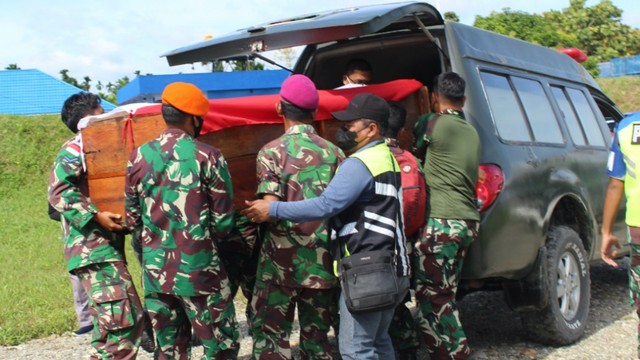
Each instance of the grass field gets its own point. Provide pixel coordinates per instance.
(623, 91)
(35, 292)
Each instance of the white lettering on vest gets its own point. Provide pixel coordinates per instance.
(635, 139)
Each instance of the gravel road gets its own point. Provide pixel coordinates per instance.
(494, 331)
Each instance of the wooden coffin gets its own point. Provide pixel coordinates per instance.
(109, 139)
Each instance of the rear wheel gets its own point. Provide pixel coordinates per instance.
(563, 320)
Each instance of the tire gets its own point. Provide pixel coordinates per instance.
(563, 320)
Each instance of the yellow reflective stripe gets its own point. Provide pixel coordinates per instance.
(371, 158)
(335, 262)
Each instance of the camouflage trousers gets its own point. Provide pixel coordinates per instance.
(403, 328)
(115, 308)
(239, 256)
(274, 309)
(211, 317)
(440, 255)
(634, 274)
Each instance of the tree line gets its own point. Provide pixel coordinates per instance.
(597, 30)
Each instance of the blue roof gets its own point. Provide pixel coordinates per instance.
(216, 85)
(31, 92)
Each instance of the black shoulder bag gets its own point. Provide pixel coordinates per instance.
(369, 281)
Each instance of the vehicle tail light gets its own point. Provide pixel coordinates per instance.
(489, 185)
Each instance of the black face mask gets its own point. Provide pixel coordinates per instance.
(197, 128)
(346, 139)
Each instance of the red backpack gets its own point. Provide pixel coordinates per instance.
(414, 191)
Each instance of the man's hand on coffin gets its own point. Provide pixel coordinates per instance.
(109, 220)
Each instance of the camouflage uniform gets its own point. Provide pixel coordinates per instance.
(403, 328)
(239, 255)
(634, 274)
(178, 200)
(96, 256)
(441, 252)
(451, 171)
(295, 265)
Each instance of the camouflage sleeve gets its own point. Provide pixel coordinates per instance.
(246, 231)
(133, 220)
(269, 174)
(420, 136)
(220, 192)
(64, 187)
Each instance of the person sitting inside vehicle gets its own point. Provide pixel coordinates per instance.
(358, 73)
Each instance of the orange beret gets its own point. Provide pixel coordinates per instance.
(186, 97)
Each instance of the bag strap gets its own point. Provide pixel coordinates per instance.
(423, 138)
(430, 125)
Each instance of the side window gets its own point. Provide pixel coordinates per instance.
(587, 117)
(579, 116)
(510, 122)
(521, 109)
(575, 128)
(535, 102)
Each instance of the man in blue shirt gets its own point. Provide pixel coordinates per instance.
(364, 203)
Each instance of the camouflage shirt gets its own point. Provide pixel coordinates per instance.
(85, 241)
(178, 200)
(297, 166)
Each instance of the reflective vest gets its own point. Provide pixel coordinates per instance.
(376, 224)
(624, 164)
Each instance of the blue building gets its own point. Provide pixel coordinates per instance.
(31, 92)
(216, 85)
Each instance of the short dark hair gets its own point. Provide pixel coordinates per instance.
(397, 119)
(172, 115)
(450, 86)
(382, 125)
(296, 113)
(78, 106)
(357, 64)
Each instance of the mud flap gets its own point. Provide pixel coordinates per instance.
(532, 292)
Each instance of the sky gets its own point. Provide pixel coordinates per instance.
(107, 40)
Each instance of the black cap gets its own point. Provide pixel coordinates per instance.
(365, 106)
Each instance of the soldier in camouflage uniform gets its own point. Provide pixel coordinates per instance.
(178, 199)
(93, 251)
(239, 255)
(295, 266)
(403, 328)
(451, 169)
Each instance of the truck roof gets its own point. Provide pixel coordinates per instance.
(307, 29)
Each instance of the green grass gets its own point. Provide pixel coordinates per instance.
(623, 91)
(35, 292)
(34, 288)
